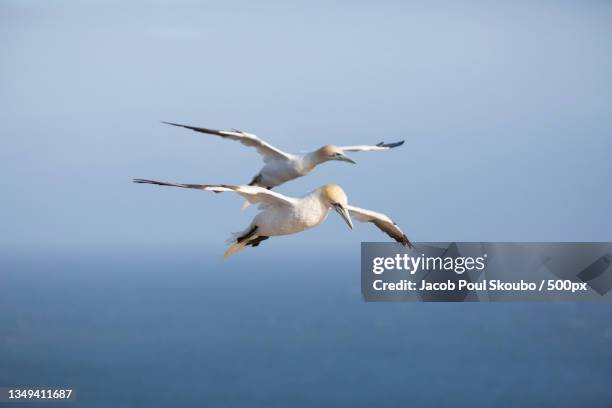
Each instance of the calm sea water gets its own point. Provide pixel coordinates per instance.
(188, 329)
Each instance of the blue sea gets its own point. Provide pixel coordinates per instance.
(188, 329)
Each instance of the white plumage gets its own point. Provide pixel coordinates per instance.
(279, 166)
(282, 215)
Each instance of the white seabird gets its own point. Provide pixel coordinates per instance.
(281, 166)
(282, 215)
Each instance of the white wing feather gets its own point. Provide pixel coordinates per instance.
(253, 194)
(370, 148)
(266, 150)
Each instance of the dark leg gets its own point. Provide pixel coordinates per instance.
(247, 235)
(255, 242)
(256, 180)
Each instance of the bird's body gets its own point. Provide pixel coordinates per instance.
(304, 213)
(282, 215)
(281, 170)
(281, 167)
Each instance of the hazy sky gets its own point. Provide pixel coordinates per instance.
(506, 108)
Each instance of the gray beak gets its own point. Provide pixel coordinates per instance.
(345, 159)
(344, 214)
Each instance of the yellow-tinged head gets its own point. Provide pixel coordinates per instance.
(331, 152)
(336, 198)
(334, 194)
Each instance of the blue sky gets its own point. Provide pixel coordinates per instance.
(505, 109)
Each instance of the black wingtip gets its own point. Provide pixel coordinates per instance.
(390, 145)
(171, 123)
(162, 183)
(143, 181)
(406, 242)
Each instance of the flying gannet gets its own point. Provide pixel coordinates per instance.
(282, 215)
(279, 166)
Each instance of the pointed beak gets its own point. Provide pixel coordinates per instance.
(344, 214)
(345, 158)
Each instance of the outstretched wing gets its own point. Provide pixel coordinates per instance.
(266, 150)
(383, 222)
(369, 148)
(252, 194)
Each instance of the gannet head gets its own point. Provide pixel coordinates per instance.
(335, 198)
(331, 152)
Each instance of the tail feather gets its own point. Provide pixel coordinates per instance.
(240, 240)
(235, 247)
